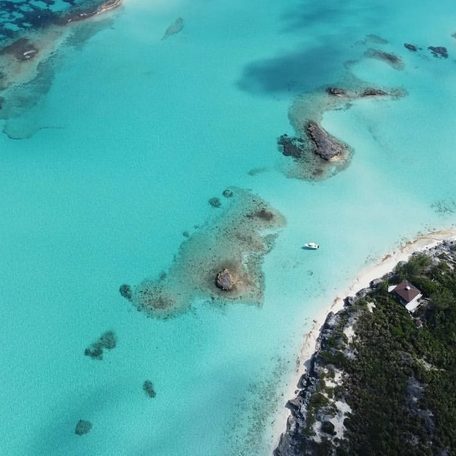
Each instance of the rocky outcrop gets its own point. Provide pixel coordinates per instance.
(225, 280)
(324, 144)
(294, 441)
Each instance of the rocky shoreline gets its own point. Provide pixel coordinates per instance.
(310, 422)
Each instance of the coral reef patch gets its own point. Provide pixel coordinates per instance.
(148, 388)
(439, 51)
(83, 427)
(107, 341)
(220, 263)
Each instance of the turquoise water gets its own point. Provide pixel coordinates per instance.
(132, 138)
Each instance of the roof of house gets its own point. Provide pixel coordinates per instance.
(407, 291)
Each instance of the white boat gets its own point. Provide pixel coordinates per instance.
(312, 246)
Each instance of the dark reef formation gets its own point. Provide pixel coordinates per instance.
(83, 427)
(324, 145)
(107, 341)
(126, 291)
(380, 379)
(411, 47)
(148, 388)
(215, 202)
(220, 263)
(439, 51)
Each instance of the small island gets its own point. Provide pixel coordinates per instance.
(382, 377)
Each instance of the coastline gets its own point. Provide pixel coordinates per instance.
(422, 242)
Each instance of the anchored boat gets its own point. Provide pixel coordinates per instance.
(311, 246)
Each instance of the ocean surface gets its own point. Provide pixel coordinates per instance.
(122, 141)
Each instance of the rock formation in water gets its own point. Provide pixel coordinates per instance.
(225, 280)
(174, 28)
(411, 47)
(215, 202)
(324, 145)
(125, 291)
(83, 427)
(439, 51)
(107, 341)
(148, 388)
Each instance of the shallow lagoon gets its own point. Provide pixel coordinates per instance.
(134, 136)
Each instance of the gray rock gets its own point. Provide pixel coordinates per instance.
(83, 427)
(324, 145)
(224, 280)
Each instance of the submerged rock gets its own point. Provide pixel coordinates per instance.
(225, 281)
(148, 388)
(126, 291)
(439, 51)
(106, 341)
(373, 92)
(174, 28)
(83, 427)
(215, 202)
(291, 146)
(410, 47)
(227, 193)
(324, 145)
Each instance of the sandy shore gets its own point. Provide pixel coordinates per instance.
(386, 264)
